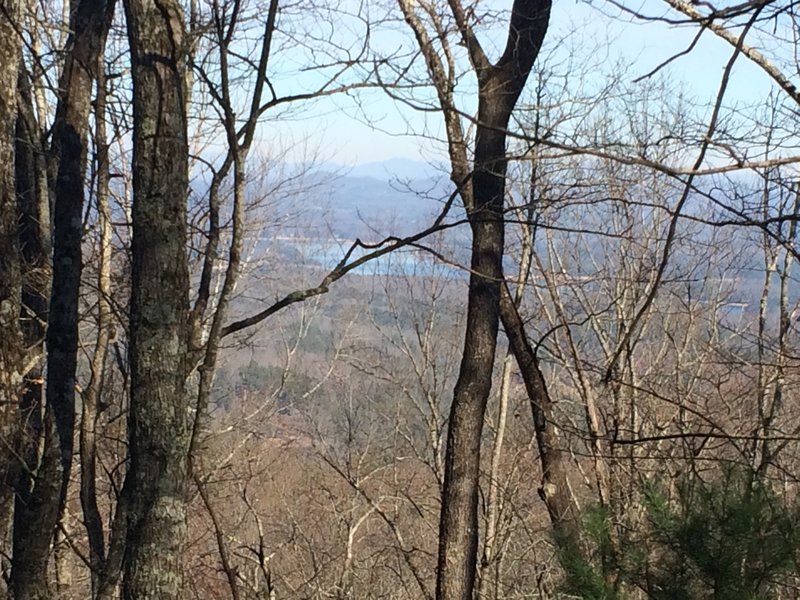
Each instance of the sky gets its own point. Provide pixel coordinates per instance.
(335, 130)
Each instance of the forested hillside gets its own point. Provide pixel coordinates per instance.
(548, 350)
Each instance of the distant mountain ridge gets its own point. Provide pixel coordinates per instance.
(396, 197)
(398, 169)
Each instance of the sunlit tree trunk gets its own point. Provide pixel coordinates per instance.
(499, 87)
(158, 420)
(91, 399)
(10, 274)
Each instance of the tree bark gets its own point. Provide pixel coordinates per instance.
(35, 442)
(499, 87)
(42, 491)
(554, 489)
(11, 349)
(158, 419)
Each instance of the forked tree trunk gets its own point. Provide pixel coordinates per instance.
(158, 420)
(500, 86)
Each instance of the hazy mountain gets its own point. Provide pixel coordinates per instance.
(358, 205)
(398, 169)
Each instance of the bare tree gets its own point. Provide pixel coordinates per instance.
(44, 496)
(482, 189)
(155, 487)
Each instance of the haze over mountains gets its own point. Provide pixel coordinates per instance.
(394, 197)
(398, 169)
(336, 205)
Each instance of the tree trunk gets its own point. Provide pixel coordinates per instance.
(89, 25)
(42, 492)
(499, 87)
(458, 530)
(554, 489)
(158, 420)
(90, 409)
(491, 554)
(36, 509)
(34, 443)
(11, 350)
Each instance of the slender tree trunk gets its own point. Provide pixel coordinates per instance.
(499, 86)
(158, 420)
(90, 410)
(554, 489)
(42, 491)
(458, 530)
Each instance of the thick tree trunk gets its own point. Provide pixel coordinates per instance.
(11, 350)
(158, 421)
(36, 510)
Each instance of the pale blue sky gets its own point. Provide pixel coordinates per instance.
(331, 126)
